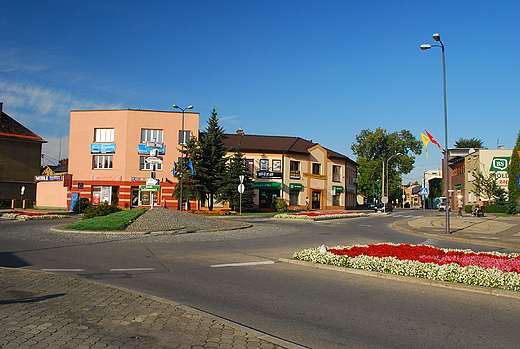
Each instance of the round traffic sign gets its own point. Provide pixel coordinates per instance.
(384, 199)
(241, 188)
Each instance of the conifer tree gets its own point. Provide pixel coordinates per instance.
(228, 191)
(513, 173)
(186, 168)
(212, 164)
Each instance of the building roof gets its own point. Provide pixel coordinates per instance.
(58, 168)
(275, 144)
(9, 127)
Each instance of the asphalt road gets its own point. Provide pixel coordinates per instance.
(239, 279)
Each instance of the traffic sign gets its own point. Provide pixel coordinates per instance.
(423, 191)
(384, 199)
(241, 188)
(149, 188)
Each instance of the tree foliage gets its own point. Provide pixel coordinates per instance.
(228, 191)
(513, 173)
(374, 148)
(469, 143)
(488, 186)
(185, 172)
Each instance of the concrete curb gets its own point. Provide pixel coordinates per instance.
(409, 279)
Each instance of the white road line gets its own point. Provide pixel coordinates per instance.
(241, 264)
(63, 269)
(133, 269)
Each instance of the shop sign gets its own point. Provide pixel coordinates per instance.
(48, 178)
(500, 163)
(102, 148)
(295, 186)
(268, 174)
(351, 190)
(106, 178)
(267, 185)
(315, 176)
(294, 175)
(142, 149)
(337, 188)
(149, 188)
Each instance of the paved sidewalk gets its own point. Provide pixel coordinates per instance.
(42, 310)
(489, 230)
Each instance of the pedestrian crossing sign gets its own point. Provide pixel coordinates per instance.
(423, 191)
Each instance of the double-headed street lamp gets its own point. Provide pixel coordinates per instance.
(437, 38)
(182, 140)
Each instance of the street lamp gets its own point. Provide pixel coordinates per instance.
(385, 180)
(437, 38)
(182, 140)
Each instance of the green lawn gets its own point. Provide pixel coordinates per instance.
(115, 221)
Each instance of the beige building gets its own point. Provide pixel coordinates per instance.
(107, 153)
(296, 169)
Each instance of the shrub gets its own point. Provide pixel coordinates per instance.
(100, 210)
(495, 209)
(81, 205)
(280, 204)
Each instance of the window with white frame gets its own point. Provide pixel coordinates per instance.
(104, 135)
(102, 161)
(149, 135)
(336, 173)
(144, 166)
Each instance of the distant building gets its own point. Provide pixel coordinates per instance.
(20, 159)
(295, 169)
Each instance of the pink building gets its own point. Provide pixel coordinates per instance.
(107, 153)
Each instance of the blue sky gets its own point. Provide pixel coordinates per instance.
(320, 70)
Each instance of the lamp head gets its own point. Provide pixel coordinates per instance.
(423, 47)
(190, 107)
(436, 37)
(175, 106)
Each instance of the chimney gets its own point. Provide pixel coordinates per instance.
(1, 108)
(240, 132)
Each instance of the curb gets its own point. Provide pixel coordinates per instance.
(409, 279)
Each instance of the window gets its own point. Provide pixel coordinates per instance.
(184, 136)
(277, 165)
(336, 199)
(144, 166)
(104, 135)
(250, 165)
(336, 173)
(316, 169)
(149, 135)
(264, 165)
(102, 161)
(294, 168)
(294, 197)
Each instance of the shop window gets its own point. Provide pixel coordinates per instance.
(250, 165)
(144, 166)
(294, 196)
(264, 165)
(104, 135)
(336, 199)
(316, 169)
(102, 194)
(336, 173)
(102, 162)
(294, 168)
(149, 135)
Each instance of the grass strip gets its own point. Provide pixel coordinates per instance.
(115, 221)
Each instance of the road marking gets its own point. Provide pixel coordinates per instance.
(133, 269)
(63, 269)
(365, 225)
(241, 264)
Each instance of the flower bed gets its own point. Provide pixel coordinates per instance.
(23, 216)
(489, 269)
(315, 216)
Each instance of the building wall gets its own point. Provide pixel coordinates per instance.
(51, 195)
(19, 162)
(125, 175)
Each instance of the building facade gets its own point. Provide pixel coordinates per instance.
(297, 170)
(108, 154)
(20, 159)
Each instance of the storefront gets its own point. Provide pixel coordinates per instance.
(295, 190)
(267, 193)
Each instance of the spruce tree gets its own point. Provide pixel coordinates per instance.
(212, 164)
(513, 173)
(187, 169)
(228, 191)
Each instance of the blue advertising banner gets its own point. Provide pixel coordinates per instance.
(143, 150)
(48, 178)
(102, 148)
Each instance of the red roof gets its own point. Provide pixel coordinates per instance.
(9, 127)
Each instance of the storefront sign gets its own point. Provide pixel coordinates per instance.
(267, 174)
(48, 178)
(315, 176)
(295, 186)
(500, 163)
(106, 178)
(337, 188)
(102, 148)
(351, 190)
(267, 185)
(142, 149)
(294, 175)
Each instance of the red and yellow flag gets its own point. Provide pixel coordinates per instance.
(425, 141)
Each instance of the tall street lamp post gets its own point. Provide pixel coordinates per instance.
(384, 183)
(437, 38)
(388, 174)
(182, 140)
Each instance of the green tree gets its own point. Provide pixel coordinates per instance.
(186, 169)
(513, 172)
(488, 186)
(373, 149)
(469, 143)
(228, 191)
(212, 165)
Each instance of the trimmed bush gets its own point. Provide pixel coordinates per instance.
(495, 209)
(100, 210)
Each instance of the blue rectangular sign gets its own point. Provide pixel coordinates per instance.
(143, 150)
(102, 148)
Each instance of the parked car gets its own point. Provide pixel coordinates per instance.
(383, 208)
(442, 207)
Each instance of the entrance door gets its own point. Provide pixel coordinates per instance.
(268, 197)
(316, 197)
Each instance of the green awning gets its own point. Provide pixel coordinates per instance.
(295, 186)
(267, 185)
(337, 188)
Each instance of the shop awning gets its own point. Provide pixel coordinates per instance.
(295, 186)
(267, 185)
